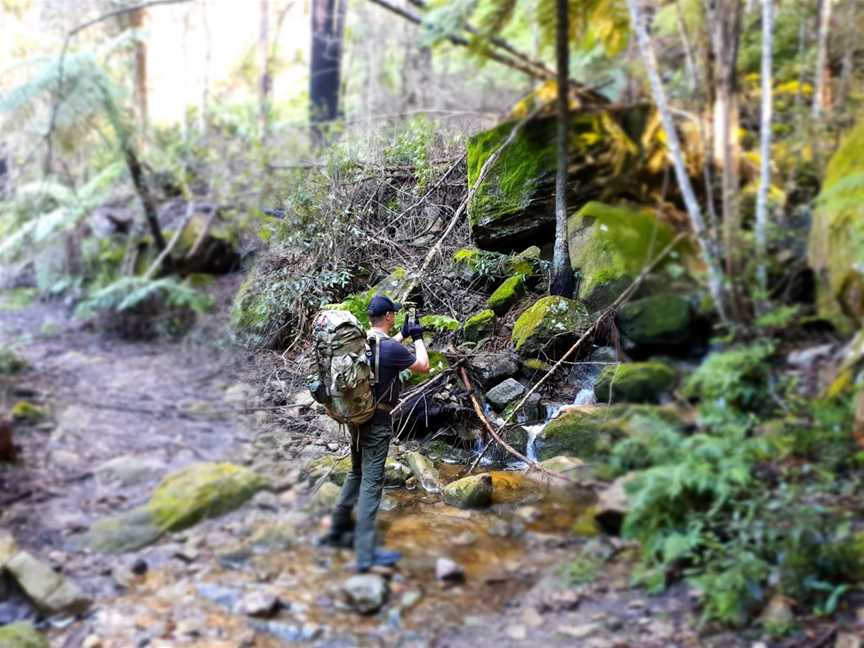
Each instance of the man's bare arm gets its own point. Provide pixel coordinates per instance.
(421, 364)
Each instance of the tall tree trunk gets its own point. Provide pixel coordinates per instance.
(328, 19)
(646, 47)
(204, 110)
(689, 60)
(724, 25)
(136, 21)
(264, 81)
(562, 272)
(765, 152)
(848, 52)
(821, 94)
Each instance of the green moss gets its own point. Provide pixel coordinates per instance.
(10, 363)
(591, 433)
(634, 382)
(736, 377)
(201, 491)
(586, 524)
(507, 294)
(336, 470)
(437, 363)
(474, 491)
(439, 323)
(610, 246)
(658, 320)
(26, 411)
(17, 298)
(127, 531)
(21, 635)
(549, 326)
(479, 326)
(836, 244)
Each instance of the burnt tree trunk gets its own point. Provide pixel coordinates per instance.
(562, 282)
(328, 20)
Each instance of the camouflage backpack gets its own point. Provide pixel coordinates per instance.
(343, 384)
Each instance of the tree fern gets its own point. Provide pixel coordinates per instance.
(128, 292)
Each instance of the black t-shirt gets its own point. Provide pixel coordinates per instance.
(393, 358)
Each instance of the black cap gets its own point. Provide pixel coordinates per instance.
(380, 305)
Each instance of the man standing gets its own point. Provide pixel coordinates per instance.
(371, 440)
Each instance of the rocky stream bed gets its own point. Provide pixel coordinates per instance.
(117, 418)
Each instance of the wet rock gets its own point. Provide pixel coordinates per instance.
(424, 472)
(201, 491)
(609, 246)
(129, 470)
(263, 605)
(287, 632)
(506, 295)
(47, 589)
(634, 382)
(504, 394)
(655, 322)
(21, 635)
(613, 504)
(474, 491)
(805, 358)
(336, 469)
(121, 533)
(227, 597)
(479, 326)
(366, 593)
(583, 374)
(449, 571)
(549, 327)
(410, 598)
(492, 368)
(139, 567)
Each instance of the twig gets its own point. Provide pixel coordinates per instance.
(157, 264)
(208, 224)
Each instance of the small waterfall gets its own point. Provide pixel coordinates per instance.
(585, 397)
(533, 432)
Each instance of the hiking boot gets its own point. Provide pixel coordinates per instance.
(337, 539)
(381, 558)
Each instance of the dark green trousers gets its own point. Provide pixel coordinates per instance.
(363, 487)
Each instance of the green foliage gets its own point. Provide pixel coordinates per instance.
(129, 292)
(17, 298)
(736, 378)
(582, 569)
(10, 363)
(779, 318)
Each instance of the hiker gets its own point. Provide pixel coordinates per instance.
(371, 440)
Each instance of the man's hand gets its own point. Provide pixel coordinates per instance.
(412, 330)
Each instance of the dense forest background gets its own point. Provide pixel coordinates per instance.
(633, 233)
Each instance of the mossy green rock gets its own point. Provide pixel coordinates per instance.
(507, 294)
(474, 491)
(27, 412)
(202, 491)
(10, 363)
(479, 326)
(336, 470)
(549, 327)
(655, 321)
(21, 635)
(634, 382)
(472, 263)
(513, 206)
(836, 244)
(590, 433)
(609, 247)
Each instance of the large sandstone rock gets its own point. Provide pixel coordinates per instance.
(513, 207)
(590, 432)
(634, 382)
(474, 491)
(836, 245)
(549, 327)
(610, 246)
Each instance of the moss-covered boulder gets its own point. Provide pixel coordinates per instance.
(392, 286)
(474, 491)
(479, 326)
(634, 382)
(514, 205)
(836, 244)
(21, 635)
(475, 265)
(549, 327)
(26, 412)
(201, 491)
(655, 322)
(127, 531)
(507, 294)
(591, 432)
(609, 247)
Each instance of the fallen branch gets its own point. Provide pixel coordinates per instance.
(484, 171)
(157, 264)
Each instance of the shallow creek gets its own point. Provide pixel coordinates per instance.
(191, 596)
